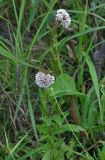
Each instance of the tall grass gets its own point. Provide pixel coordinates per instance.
(31, 41)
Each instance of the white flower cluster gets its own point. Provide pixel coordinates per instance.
(63, 18)
(44, 80)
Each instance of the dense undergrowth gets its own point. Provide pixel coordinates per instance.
(65, 121)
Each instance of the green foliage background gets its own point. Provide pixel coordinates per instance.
(31, 41)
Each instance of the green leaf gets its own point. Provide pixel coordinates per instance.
(102, 154)
(47, 155)
(66, 128)
(95, 82)
(58, 119)
(33, 10)
(65, 85)
(1, 1)
(94, 76)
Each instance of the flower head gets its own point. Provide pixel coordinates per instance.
(63, 18)
(44, 80)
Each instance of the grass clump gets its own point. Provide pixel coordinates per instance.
(60, 118)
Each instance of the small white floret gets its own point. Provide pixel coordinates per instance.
(63, 18)
(44, 80)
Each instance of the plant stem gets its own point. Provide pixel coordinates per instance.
(87, 155)
(56, 51)
(74, 111)
(76, 120)
(47, 106)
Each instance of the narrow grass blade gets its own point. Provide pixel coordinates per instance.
(95, 82)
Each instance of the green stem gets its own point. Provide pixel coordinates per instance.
(69, 125)
(47, 107)
(56, 51)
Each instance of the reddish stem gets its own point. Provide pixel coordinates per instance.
(74, 111)
(73, 108)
